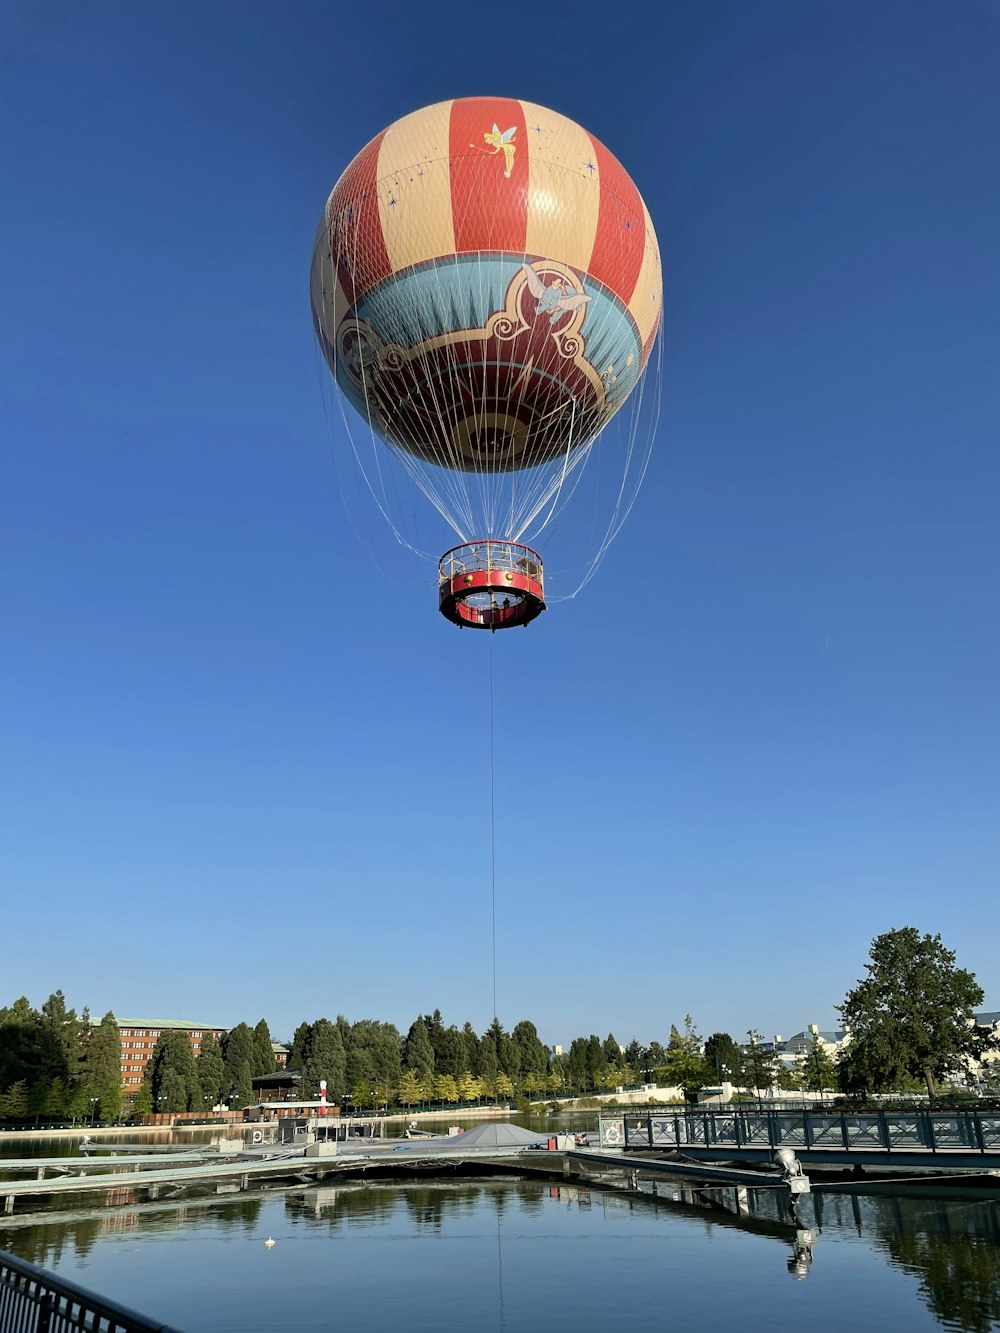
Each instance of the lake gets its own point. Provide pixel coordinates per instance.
(508, 1254)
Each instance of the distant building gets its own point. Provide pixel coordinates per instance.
(281, 1053)
(801, 1044)
(139, 1037)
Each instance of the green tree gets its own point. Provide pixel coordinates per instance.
(238, 1054)
(445, 1088)
(211, 1072)
(819, 1072)
(607, 1078)
(418, 1053)
(14, 1102)
(685, 1067)
(487, 1065)
(533, 1083)
(634, 1055)
(470, 1046)
(263, 1054)
(427, 1088)
(173, 1074)
(722, 1056)
(576, 1074)
(296, 1055)
(759, 1067)
(503, 1088)
(103, 1067)
(533, 1051)
(469, 1088)
(143, 1101)
(409, 1091)
(323, 1057)
(449, 1054)
(593, 1059)
(912, 1015)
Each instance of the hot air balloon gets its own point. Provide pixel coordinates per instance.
(486, 290)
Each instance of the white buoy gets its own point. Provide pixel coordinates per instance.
(270, 1243)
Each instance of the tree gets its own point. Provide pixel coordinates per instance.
(634, 1056)
(426, 1088)
(418, 1053)
(594, 1060)
(534, 1083)
(503, 1086)
(722, 1056)
(685, 1067)
(470, 1046)
(173, 1074)
(409, 1091)
(469, 1088)
(759, 1066)
(263, 1053)
(817, 1067)
(576, 1066)
(103, 1067)
(143, 1103)
(487, 1065)
(612, 1051)
(912, 1015)
(445, 1088)
(296, 1055)
(323, 1058)
(211, 1071)
(14, 1102)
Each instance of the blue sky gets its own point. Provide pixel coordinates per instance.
(246, 764)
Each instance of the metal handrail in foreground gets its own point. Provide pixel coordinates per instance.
(35, 1301)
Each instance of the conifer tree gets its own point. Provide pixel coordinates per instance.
(418, 1055)
(103, 1069)
(263, 1054)
(211, 1071)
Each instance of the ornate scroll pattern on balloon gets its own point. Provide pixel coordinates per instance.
(514, 393)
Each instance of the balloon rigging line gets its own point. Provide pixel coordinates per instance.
(533, 498)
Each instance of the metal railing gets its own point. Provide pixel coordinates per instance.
(922, 1131)
(35, 1301)
(490, 553)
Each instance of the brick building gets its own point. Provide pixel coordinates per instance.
(139, 1037)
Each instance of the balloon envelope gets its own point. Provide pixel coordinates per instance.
(486, 287)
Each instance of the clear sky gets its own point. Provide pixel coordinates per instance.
(243, 773)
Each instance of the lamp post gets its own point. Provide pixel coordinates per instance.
(93, 1109)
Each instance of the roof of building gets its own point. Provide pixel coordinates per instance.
(988, 1019)
(277, 1046)
(166, 1023)
(831, 1038)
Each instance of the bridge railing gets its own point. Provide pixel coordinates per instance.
(35, 1301)
(928, 1131)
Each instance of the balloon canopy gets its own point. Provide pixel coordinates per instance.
(486, 289)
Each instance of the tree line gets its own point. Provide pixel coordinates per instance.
(911, 1018)
(57, 1064)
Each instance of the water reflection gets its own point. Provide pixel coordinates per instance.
(553, 1254)
(951, 1245)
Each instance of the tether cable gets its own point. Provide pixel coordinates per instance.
(493, 837)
